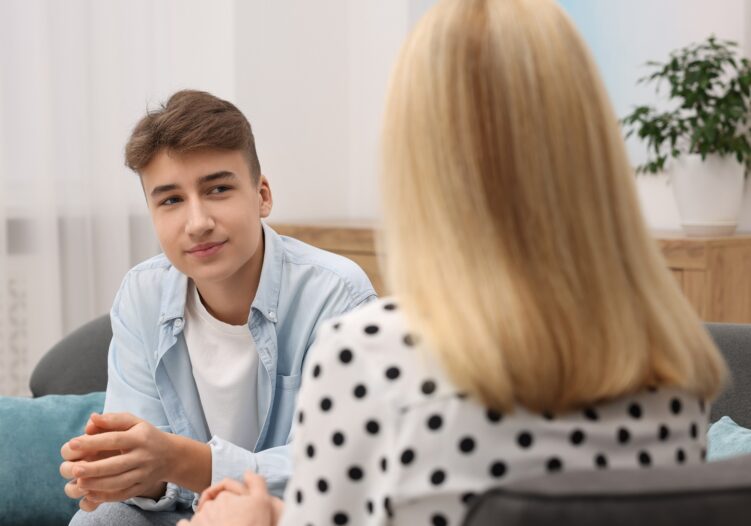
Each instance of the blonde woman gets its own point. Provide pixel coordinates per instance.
(535, 328)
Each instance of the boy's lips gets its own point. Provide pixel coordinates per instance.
(205, 249)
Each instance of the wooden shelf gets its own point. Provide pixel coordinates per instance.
(714, 273)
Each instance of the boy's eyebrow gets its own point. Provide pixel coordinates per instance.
(201, 181)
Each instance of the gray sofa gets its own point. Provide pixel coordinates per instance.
(714, 493)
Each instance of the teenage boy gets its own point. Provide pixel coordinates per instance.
(209, 338)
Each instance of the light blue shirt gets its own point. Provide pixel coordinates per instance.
(150, 373)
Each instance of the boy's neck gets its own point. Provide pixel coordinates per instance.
(230, 300)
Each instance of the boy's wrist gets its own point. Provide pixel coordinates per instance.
(189, 463)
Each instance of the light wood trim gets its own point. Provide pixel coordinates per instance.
(713, 273)
(728, 284)
(678, 275)
(695, 291)
(336, 239)
(683, 253)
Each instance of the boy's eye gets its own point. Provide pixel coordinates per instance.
(170, 201)
(219, 189)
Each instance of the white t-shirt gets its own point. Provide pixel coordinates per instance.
(225, 368)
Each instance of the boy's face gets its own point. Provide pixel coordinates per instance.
(206, 211)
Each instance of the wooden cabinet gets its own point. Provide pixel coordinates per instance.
(714, 273)
(352, 241)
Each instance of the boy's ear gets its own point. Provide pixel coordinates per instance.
(266, 201)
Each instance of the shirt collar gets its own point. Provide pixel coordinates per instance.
(267, 295)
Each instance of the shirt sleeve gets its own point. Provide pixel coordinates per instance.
(231, 461)
(131, 388)
(341, 440)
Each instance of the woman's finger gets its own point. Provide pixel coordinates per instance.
(231, 485)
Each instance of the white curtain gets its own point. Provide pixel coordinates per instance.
(75, 76)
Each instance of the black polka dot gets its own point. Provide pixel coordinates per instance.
(468, 497)
(524, 439)
(389, 306)
(336, 326)
(298, 496)
(703, 454)
(372, 427)
(694, 430)
(554, 465)
(392, 373)
(577, 437)
(409, 340)
(371, 329)
(369, 506)
(360, 391)
(591, 414)
(675, 406)
(316, 371)
(645, 459)
(438, 520)
(601, 461)
(387, 507)
(338, 438)
(623, 435)
(300, 417)
(548, 415)
(652, 388)
(355, 473)
(345, 356)
(438, 477)
(323, 486)
(467, 445)
(634, 410)
(326, 404)
(310, 450)
(384, 464)
(435, 422)
(680, 456)
(497, 469)
(493, 416)
(428, 387)
(702, 405)
(341, 518)
(663, 433)
(408, 455)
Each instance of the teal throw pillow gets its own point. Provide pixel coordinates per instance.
(32, 431)
(727, 439)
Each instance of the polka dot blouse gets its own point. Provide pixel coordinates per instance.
(382, 437)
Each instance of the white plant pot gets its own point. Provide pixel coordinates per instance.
(709, 193)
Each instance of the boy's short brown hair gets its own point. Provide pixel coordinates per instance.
(192, 120)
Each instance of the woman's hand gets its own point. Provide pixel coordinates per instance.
(232, 503)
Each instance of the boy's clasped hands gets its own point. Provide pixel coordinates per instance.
(119, 456)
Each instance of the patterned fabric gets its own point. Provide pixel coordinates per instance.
(383, 437)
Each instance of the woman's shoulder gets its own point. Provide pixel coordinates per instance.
(376, 328)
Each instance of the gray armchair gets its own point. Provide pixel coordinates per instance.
(77, 364)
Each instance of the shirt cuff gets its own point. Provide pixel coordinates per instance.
(174, 498)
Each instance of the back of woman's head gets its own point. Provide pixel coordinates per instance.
(513, 234)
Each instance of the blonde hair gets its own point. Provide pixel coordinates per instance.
(513, 233)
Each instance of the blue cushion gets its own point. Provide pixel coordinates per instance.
(727, 439)
(32, 431)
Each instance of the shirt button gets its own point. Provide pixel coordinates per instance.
(178, 323)
(272, 315)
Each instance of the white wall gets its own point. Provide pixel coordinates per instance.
(311, 78)
(625, 35)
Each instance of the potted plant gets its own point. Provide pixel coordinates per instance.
(703, 132)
